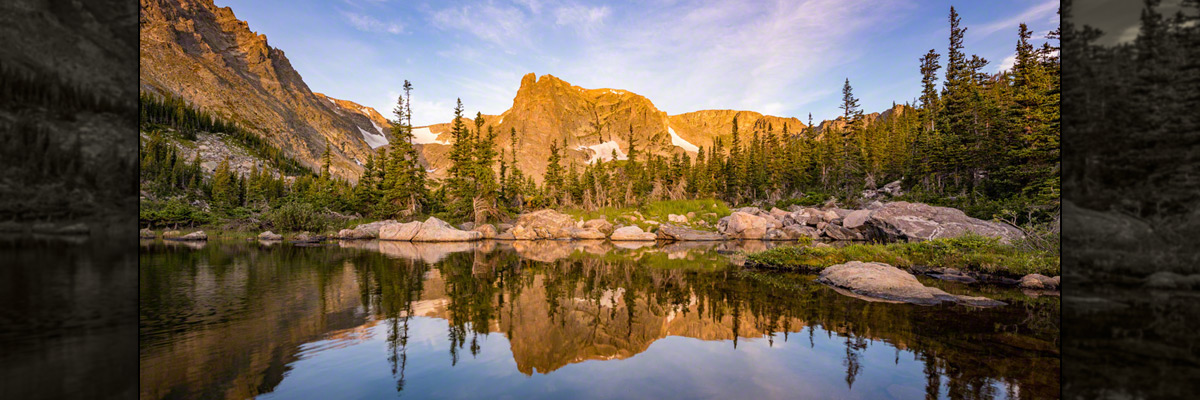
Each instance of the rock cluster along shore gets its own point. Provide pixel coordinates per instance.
(896, 221)
(882, 282)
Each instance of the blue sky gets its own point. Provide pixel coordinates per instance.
(786, 58)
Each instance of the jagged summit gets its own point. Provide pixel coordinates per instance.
(204, 54)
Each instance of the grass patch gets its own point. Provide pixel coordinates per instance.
(707, 210)
(966, 253)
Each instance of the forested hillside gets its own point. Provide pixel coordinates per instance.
(987, 143)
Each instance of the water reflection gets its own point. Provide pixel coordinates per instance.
(67, 326)
(238, 320)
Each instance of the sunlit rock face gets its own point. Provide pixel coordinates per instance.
(207, 56)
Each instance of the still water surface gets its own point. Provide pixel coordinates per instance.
(557, 319)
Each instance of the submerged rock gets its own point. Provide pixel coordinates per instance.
(882, 282)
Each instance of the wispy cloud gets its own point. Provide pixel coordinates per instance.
(1040, 12)
(580, 17)
(367, 23)
(503, 25)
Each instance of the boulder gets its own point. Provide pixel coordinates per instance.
(354, 234)
(402, 232)
(584, 234)
(1038, 281)
(882, 282)
(436, 230)
(742, 225)
(599, 224)
(1106, 227)
(892, 189)
(507, 235)
(545, 224)
(678, 233)
(798, 231)
(146, 234)
(503, 227)
(837, 232)
(856, 219)
(914, 222)
(677, 219)
(520, 232)
(776, 234)
(197, 235)
(371, 230)
(778, 214)
(306, 237)
(466, 226)
(486, 231)
(268, 235)
(829, 215)
(874, 205)
(631, 233)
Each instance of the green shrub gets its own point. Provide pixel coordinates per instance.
(295, 216)
(171, 213)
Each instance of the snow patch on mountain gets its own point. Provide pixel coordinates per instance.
(425, 136)
(678, 141)
(372, 139)
(604, 151)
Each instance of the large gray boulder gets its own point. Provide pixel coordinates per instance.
(544, 224)
(599, 224)
(401, 232)
(679, 233)
(915, 222)
(856, 219)
(436, 230)
(882, 282)
(631, 233)
(194, 236)
(1084, 225)
(742, 225)
(587, 234)
(837, 232)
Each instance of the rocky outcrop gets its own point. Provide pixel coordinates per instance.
(399, 232)
(194, 236)
(904, 221)
(678, 233)
(268, 235)
(631, 233)
(146, 234)
(436, 230)
(543, 224)
(205, 55)
(744, 225)
(882, 282)
(1112, 228)
(599, 224)
(1038, 282)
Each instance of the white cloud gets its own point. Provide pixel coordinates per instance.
(583, 18)
(728, 55)
(368, 23)
(1039, 12)
(534, 6)
(502, 25)
(1007, 62)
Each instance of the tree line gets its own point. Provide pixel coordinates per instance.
(987, 143)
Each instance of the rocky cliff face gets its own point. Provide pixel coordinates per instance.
(868, 119)
(703, 127)
(204, 54)
(593, 123)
